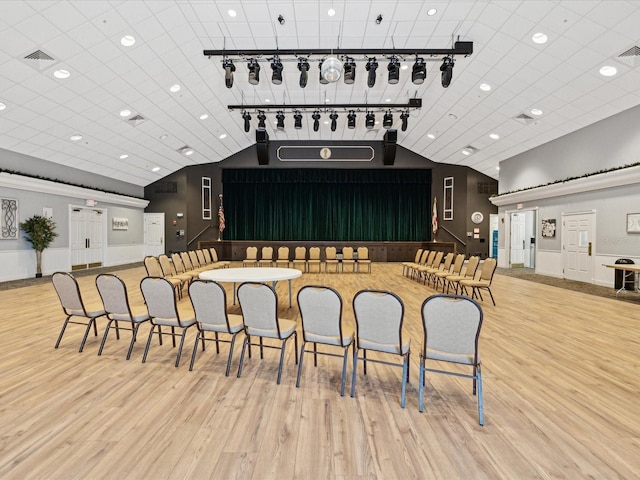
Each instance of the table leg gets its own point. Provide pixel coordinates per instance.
(234, 293)
(289, 293)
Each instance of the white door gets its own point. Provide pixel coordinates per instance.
(86, 234)
(578, 236)
(153, 234)
(517, 239)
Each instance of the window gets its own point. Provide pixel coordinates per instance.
(447, 208)
(206, 198)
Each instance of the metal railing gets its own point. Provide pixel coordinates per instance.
(199, 234)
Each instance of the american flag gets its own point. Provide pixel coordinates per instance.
(434, 218)
(221, 224)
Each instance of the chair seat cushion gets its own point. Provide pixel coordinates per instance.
(383, 347)
(347, 338)
(139, 315)
(235, 325)
(173, 322)
(287, 327)
(475, 283)
(90, 313)
(465, 359)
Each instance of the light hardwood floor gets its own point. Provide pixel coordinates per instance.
(561, 387)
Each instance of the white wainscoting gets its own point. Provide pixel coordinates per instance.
(549, 262)
(20, 264)
(606, 276)
(123, 254)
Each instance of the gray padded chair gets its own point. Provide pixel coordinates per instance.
(452, 326)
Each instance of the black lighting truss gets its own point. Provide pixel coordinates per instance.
(413, 104)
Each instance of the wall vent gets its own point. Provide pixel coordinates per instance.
(166, 187)
(630, 57)
(524, 118)
(39, 60)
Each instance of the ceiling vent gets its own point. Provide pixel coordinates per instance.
(186, 150)
(630, 56)
(39, 60)
(525, 119)
(136, 120)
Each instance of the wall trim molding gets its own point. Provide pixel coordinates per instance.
(20, 182)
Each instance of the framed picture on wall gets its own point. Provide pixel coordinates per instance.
(633, 222)
(549, 228)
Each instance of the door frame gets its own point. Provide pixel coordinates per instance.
(507, 233)
(163, 240)
(592, 239)
(104, 230)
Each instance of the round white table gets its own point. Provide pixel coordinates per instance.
(249, 274)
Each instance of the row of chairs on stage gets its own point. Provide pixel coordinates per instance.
(183, 267)
(331, 258)
(451, 325)
(450, 271)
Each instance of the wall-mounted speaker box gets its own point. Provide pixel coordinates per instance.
(389, 146)
(262, 146)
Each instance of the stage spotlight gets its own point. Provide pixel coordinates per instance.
(334, 121)
(370, 120)
(254, 72)
(404, 116)
(262, 118)
(323, 80)
(303, 66)
(247, 121)
(371, 67)
(281, 20)
(280, 120)
(351, 119)
(387, 121)
(349, 71)
(229, 68)
(331, 69)
(297, 120)
(316, 121)
(447, 71)
(394, 70)
(276, 66)
(419, 72)
(379, 19)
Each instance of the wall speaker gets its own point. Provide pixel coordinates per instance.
(262, 146)
(389, 146)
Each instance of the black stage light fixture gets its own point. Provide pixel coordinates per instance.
(447, 71)
(303, 66)
(419, 72)
(349, 71)
(297, 120)
(280, 19)
(316, 120)
(247, 121)
(370, 120)
(262, 118)
(387, 121)
(394, 70)
(254, 72)
(229, 68)
(371, 67)
(404, 116)
(334, 121)
(323, 80)
(379, 19)
(351, 119)
(280, 120)
(276, 66)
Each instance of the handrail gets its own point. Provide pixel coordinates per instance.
(198, 234)
(454, 236)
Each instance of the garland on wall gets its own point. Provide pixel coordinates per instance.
(64, 182)
(568, 179)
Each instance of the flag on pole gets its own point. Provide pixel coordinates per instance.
(221, 224)
(434, 218)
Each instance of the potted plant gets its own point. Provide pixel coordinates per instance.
(41, 231)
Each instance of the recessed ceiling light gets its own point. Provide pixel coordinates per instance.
(431, 12)
(123, 156)
(536, 111)
(75, 138)
(539, 38)
(61, 74)
(331, 12)
(267, 100)
(498, 168)
(155, 169)
(125, 113)
(163, 136)
(188, 152)
(466, 152)
(485, 87)
(222, 136)
(431, 136)
(495, 136)
(452, 116)
(127, 41)
(232, 13)
(608, 71)
(377, 122)
(2, 106)
(204, 116)
(326, 122)
(326, 100)
(387, 100)
(175, 88)
(404, 67)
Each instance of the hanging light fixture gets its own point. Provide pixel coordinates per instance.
(229, 68)
(323, 80)
(419, 72)
(262, 118)
(371, 67)
(394, 70)
(404, 116)
(349, 71)
(297, 120)
(254, 72)
(351, 119)
(387, 120)
(316, 120)
(247, 121)
(331, 69)
(334, 121)
(276, 66)
(303, 66)
(370, 120)
(447, 71)
(280, 120)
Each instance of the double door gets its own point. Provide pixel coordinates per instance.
(86, 237)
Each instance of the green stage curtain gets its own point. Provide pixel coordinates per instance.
(323, 204)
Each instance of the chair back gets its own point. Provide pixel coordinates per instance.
(68, 292)
(159, 297)
(436, 261)
(300, 253)
(314, 253)
(347, 253)
(209, 301)
(207, 256)
(488, 269)
(214, 254)
(152, 266)
(252, 253)
(267, 253)
(166, 266)
(113, 293)
(448, 260)
(201, 259)
(258, 303)
(186, 261)
(452, 325)
(379, 315)
(194, 259)
(425, 256)
(330, 253)
(456, 268)
(472, 267)
(320, 311)
(177, 263)
(283, 254)
(363, 253)
(418, 255)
